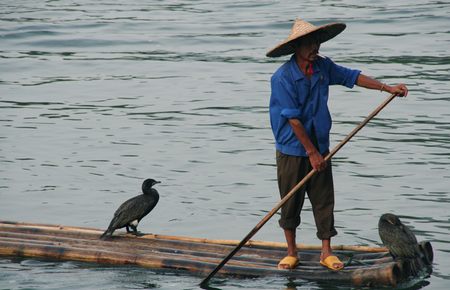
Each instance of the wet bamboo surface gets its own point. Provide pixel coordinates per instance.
(367, 265)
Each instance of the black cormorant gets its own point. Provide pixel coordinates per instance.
(398, 238)
(130, 213)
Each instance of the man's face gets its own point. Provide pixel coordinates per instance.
(308, 48)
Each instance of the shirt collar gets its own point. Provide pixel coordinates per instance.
(297, 73)
(295, 70)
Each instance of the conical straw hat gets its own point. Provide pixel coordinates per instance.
(302, 28)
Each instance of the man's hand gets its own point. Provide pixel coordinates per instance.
(317, 161)
(400, 90)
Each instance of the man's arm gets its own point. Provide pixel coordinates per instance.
(317, 161)
(370, 83)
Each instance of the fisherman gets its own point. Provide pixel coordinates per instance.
(301, 124)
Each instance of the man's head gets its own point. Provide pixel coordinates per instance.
(307, 47)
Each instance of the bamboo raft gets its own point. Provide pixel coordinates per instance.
(365, 266)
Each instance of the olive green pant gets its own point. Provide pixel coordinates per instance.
(320, 190)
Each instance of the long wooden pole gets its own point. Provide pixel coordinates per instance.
(294, 190)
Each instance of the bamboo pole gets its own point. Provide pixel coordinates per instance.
(113, 256)
(374, 275)
(93, 233)
(267, 257)
(390, 274)
(250, 261)
(278, 245)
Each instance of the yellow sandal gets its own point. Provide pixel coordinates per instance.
(289, 261)
(330, 263)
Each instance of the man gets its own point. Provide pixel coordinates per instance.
(301, 124)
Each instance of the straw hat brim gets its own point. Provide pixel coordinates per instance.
(323, 33)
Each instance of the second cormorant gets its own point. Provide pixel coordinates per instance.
(397, 237)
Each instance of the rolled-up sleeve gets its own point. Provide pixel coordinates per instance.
(340, 75)
(291, 113)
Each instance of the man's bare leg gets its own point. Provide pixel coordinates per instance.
(327, 251)
(291, 245)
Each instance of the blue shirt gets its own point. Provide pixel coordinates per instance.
(296, 96)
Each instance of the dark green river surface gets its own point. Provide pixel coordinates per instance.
(96, 96)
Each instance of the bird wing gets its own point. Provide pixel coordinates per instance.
(126, 213)
(402, 242)
(134, 209)
(410, 234)
(409, 242)
(145, 206)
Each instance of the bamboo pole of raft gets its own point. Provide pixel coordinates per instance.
(385, 274)
(94, 233)
(280, 245)
(174, 242)
(137, 245)
(295, 189)
(156, 242)
(250, 256)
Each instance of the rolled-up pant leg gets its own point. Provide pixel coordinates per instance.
(321, 195)
(290, 170)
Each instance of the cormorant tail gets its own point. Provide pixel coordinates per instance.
(108, 233)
